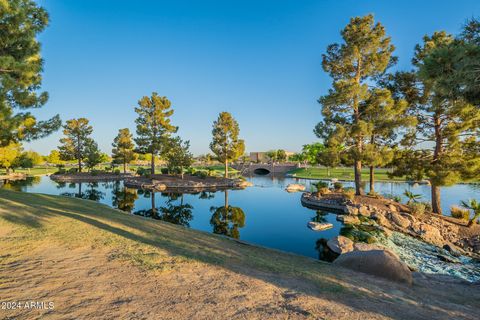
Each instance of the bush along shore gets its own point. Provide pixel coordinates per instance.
(384, 223)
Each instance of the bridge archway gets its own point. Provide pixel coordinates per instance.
(261, 171)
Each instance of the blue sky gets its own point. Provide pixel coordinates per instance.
(259, 60)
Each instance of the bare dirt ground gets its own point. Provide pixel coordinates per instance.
(87, 284)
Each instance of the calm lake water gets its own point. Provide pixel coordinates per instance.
(264, 214)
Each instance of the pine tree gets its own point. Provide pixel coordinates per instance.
(386, 119)
(178, 155)
(20, 72)
(444, 147)
(225, 144)
(77, 138)
(93, 155)
(365, 54)
(122, 152)
(153, 126)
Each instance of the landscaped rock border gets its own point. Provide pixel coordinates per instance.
(186, 185)
(391, 216)
(88, 177)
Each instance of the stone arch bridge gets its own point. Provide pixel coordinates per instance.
(264, 168)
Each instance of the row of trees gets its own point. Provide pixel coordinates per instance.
(424, 122)
(154, 137)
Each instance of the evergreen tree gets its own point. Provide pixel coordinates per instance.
(365, 54)
(122, 152)
(153, 126)
(178, 155)
(444, 147)
(93, 155)
(386, 119)
(225, 144)
(20, 72)
(77, 138)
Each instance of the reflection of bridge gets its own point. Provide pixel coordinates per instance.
(264, 168)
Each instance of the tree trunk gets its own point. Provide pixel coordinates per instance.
(436, 207)
(79, 164)
(79, 190)
(226, 168)
(358, 177)
(124, 166)
(372, 180)
(181, 172)
(152, 164)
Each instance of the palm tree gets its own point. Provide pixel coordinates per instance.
(473, 205)
(411, 196)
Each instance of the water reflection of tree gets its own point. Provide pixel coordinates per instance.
(320, 216)
(227, 220)
(205, 195)
(91, 192)
(19, 185)
(123, 198)
(180, 214)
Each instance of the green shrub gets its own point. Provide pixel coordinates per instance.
(417, 208)
(117, 171)
(73, 170)
(428, 206)
(143, 172)
(460, 213)
(61, 171)
(164, 170)
(200, 174)
(349, 193)
(321, 184)
(338, 186)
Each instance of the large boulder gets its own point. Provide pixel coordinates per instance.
(340, 244)
(429, 234)
(399, 220)
(351, 210)
(381, 263)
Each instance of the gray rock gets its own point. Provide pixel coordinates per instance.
(381, 263)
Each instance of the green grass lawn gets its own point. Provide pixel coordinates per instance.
(33, 171)
(341, 174)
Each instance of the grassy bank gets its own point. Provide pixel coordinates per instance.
(148, 243)
(97, 262)
(341, 174)
(38, 171)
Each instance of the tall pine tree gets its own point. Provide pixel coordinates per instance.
(122, 152)
(365, 53)
(153, 126)
(20, 72)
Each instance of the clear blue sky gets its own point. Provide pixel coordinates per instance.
(259, 60)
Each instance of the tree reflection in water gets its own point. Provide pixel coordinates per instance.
(180, 214)
(320, 216)
(227, 220)
(123, 198)
(19, 185)
(90, 193)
